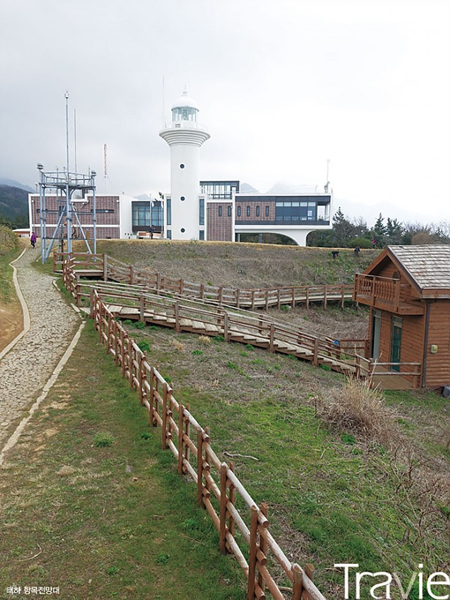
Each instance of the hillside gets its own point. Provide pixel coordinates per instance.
(13, 206)
(240, 265)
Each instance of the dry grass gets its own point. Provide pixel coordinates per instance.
(361, 411)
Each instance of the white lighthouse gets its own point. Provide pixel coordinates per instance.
(185, 209)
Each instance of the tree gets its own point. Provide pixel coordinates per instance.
(394, 231)
(343, 230)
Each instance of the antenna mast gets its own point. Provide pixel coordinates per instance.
(105, 164)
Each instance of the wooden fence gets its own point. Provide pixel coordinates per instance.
(151, 301)
(243, 526)
(112, 269)
(132, 302)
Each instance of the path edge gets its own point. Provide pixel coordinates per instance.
(25, 311)
(54, 376)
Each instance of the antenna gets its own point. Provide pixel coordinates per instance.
(66, 96)
(105, 165)
(75, 137)
(328, 180)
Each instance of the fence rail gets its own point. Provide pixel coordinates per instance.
(115, 270)
(145, 301)
(243, 527)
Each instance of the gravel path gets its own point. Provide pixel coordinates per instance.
(25, 369)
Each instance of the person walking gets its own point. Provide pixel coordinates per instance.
(33, 240)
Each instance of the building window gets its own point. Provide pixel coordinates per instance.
(169, 234)
(182, 198)
(294, 211)
(257, 211)
(140, 214)
(238, 211)
(157, 214)
(201, 234)
(220, 211)
(248, 211)
(201, 211)
(169, 211)
(182, 166)
(267, 211)
(182, 230)
(229, 211)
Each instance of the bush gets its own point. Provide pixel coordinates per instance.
(362, 242)
(361, 411)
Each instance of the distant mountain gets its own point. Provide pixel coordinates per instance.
(17, 184)
(13, 206)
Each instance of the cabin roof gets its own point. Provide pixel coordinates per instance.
(428, 265)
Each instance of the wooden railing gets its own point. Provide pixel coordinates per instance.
(118, 271)
(384, 289)
(219, 490)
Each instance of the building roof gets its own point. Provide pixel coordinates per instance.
(427, 265)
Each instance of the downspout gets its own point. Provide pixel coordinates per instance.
(425, 345)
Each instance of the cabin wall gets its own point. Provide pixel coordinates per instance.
(438, 364)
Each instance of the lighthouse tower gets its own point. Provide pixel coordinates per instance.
(184, 211)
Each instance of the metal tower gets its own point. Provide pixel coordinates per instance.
(69, 218)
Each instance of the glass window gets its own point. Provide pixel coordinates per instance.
(220, 211)
(229, 211)
(267, 211)
(239, 211)
(169, 234)
(201, 234)
(169, 211)
(248, 211)
(141, 214)
(201, 217)
(257, 211)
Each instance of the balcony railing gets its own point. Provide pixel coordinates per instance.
(384, 292)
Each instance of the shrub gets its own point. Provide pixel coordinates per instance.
(144, 346)
(103, 438)
(361, 411)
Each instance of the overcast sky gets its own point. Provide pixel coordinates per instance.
(283, 87)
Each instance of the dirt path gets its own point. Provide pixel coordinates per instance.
(25, 369)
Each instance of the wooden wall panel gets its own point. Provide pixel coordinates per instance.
(438, 365)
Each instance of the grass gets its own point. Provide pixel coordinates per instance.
(116, 521)
(334, 495)
(91, 496)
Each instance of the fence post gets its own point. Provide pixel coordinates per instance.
(231, 500)
(309, 571)
(180, 438)
(324, 296)
(152, 397)
(293, 297)
(141, 308)
(252, 553)
(131, 275)
(199, 466)
(316, 352)
(297, 590)
(220, 295)
(201, 291)
(105, 267)
(272, 337)
(238, 294)
(342, 296)
(263, 543)
(225, 326)
(158, 282)
(307, 298)
(223, 507)
(176, 308)
(164, 417)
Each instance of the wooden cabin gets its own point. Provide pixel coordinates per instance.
(408, 291)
